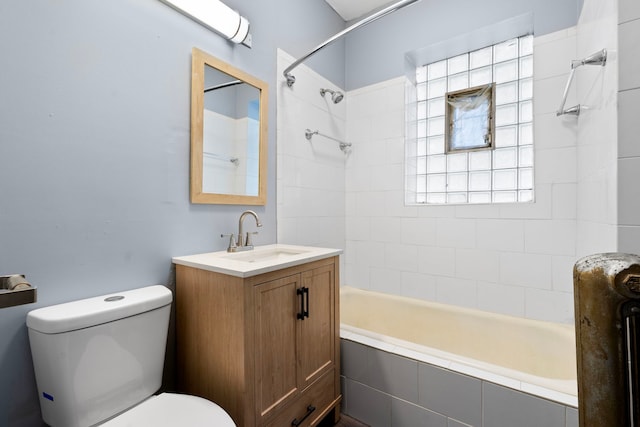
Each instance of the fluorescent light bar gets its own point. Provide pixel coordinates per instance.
(216, 16)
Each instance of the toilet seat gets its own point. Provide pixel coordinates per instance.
(170, 410)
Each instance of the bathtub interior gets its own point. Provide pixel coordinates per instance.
(527, 355)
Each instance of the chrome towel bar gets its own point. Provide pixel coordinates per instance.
(598, 58)
(308, 133)
(233, 160)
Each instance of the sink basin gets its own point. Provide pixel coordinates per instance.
(264, 255)
(262, 259)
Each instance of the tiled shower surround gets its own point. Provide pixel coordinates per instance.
(509, 258)
(513, 258)
(387, 390)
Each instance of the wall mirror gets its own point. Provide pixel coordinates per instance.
(228, 133)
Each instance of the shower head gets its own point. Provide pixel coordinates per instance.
(336, 95)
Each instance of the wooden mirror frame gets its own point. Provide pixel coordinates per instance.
(199, 59)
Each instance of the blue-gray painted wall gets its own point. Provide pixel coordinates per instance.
(94, 136)
(94, 149)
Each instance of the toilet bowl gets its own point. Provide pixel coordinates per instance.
(171, 410)
(99, 361)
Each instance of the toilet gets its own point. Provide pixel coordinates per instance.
(99, 361)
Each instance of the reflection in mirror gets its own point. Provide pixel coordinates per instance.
(228, 134)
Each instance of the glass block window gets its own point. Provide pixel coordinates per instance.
(500, 173)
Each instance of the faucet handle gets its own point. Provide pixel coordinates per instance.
(248, 241)
(232, 241)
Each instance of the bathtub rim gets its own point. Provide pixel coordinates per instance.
(557, 390)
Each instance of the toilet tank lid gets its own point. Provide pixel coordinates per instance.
(94, 311)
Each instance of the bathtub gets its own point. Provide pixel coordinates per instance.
(533, 357)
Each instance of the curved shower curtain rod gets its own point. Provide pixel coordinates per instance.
(291, 79)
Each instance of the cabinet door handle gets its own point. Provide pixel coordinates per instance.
(300, 291)
(306, 292)
(295, 421)
(304, 308)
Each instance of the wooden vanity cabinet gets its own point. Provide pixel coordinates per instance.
(265, 348)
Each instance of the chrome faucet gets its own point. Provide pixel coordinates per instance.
(243, 243)
(246, 243)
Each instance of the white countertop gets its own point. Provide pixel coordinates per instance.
(262, 259)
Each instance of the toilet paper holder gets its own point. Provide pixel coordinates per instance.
(16, 290)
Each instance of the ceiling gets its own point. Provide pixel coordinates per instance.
(353, 9)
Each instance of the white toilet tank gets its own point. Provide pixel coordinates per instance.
(97, 357)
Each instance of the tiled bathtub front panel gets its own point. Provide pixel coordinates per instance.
(387, 390)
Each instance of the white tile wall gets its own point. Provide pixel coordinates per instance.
(539, 303)
(504, 299)
(628, 231)
(597, 133)
(552, 237)
(435, 260)
(628, 238)
(564, 199)
(629, 10)
(457, 291)
(629, 191)
(484, 256)
(456, 233)
(500, 235)
(628, 102)
(562, 273)
(560, 164)
(629, 33)
(310, 174)
(477, 264)
(561, 43)
(554, 133)
(418, 285)
(526, 269)
(382, 279)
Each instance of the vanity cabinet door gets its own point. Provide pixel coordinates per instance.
(295, 339)
(276, 330)
(316, 350)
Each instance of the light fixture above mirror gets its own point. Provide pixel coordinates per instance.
(228, 134)
(217, 17)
